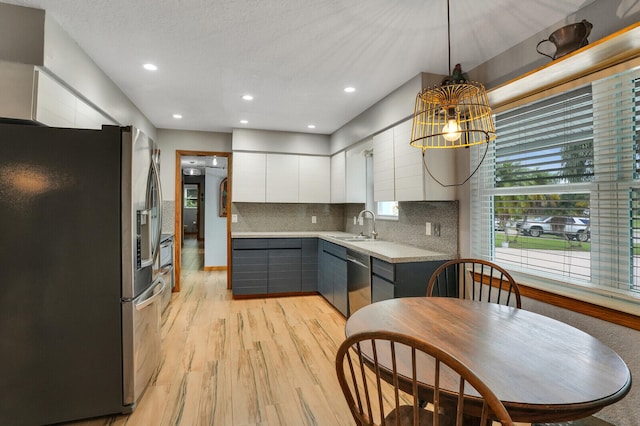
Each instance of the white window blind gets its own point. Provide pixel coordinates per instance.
(558, 196)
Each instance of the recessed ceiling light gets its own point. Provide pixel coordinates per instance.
(311, 126)
(244, 121)
(349, 89)
(247, 97)
(177, 116)
(150, 67)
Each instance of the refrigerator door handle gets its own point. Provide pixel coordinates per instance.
(156, 176)
(156, 293)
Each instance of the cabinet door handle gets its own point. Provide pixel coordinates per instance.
(357, 262)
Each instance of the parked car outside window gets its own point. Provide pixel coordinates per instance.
(574, 228)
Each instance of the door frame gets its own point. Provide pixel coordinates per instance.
(178, 210)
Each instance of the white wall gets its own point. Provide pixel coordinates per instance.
(32, 37)
(64, 59)
(169, 141)
(607, 17)
(215, 239)
(280, 142)
(394, 108)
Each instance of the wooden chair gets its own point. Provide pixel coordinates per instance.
(474, 279)
(379, 374)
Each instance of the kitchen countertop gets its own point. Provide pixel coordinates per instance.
(384, 250)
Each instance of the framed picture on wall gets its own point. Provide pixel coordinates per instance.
(223, 198)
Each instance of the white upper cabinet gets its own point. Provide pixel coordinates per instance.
(249, 176)
(356, 172)
(282, 178)
(56, 106)
(442, 165)
(383, 167)
(399, 173)
(29, 94)
(409, 182)
(338, 177)
(314, 179)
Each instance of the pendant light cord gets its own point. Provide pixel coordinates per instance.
(452, 104)
(446, 185)
(449, 34)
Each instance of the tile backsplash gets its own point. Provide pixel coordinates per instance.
(260, 217)
(168, 216)
(410, 228)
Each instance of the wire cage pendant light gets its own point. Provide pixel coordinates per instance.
(453, 114)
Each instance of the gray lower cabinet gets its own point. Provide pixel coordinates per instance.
(325, 285)
(250, 266)
(285, 265)
(309, 264)
(332, 275)
(274, 265)
(391, 280)
(292, 265)
(285, 271)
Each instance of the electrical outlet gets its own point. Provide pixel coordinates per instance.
(428, 229)
(355, 220)
(313, 219)
(234, 218)
(361, 221)
(436, 229)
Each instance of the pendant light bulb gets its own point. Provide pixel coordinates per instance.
(451, 130)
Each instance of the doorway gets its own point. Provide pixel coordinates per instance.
(191, 212)
(197, 157)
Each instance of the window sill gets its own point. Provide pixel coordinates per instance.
(621, 309)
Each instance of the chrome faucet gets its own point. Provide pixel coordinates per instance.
(374, 234)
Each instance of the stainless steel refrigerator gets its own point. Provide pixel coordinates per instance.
(80, 291)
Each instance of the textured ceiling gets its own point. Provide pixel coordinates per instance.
(294, 56)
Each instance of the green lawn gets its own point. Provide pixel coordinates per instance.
(545, 242)
(549, 242)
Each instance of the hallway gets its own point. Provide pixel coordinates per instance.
(192, 254)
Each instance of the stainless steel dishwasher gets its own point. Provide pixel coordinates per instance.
(358, 280)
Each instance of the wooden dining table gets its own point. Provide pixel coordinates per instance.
(543, 370)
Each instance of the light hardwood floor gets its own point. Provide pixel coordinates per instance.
(255, 362)
(267, 362)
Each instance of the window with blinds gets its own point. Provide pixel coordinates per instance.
(559, 193)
